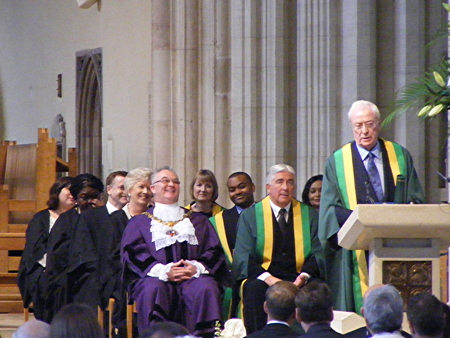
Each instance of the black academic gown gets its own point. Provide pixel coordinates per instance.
(95, 261)
(57, 269)
(30, 277)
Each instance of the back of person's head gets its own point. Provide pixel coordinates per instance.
(280, 300)
(165, 330)
(446, 310)
(75, 320)
(314, 303)
(85, 180)
(383, 310)
(33, 329)
(426, 315)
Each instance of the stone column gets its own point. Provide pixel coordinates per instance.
(318, 75)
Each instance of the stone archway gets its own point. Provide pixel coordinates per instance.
(89, 111)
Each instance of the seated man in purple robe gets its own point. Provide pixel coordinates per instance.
(171, 257)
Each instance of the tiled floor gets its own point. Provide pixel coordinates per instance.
(9, 322)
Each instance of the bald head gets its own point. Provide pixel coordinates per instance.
(33, 329)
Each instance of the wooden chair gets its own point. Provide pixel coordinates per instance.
(131, 309)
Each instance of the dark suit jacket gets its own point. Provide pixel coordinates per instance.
(322, 330)
(230, 219)
(273, 331)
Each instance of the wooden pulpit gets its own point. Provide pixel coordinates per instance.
(404, 243)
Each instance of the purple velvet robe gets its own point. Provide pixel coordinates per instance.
(194, 303)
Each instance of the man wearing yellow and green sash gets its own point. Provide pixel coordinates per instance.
(368, 170)
(241, 192)
(276, 240)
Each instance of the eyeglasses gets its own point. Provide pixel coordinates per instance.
(90, 197)
(368, 124)
(166, 181)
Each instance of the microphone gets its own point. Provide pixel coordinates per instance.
(369, 199)
(447, 179)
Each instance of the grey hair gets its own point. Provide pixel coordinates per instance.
(277, 168)
(33, 328)
(383, 310)
(358, 105)
(166, 167)
(136, 175)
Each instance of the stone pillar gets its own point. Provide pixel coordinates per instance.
(318, 74)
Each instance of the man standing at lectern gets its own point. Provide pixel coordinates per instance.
(367, 170)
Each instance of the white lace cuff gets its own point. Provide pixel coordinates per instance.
(160, 271)
(201, 270)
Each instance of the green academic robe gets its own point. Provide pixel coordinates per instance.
(346, 184)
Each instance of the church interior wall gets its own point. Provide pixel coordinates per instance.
(224, 85)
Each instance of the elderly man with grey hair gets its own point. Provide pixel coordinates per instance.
(33, 329)
(383, 312)
(365, 171)
(276, 240)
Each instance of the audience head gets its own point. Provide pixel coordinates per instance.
(165, 186)
(165, 330)
(204, 187)
(312, 191)
(241, 189)
(116, 189)
(425, 316)
(75, 321)
(59, 194)
(314, 303)
(280, 301)
(280, 184)
(137, 186)
(365, 119)
(383, 310)
(87, 190)
(446, 310)
(33, 329)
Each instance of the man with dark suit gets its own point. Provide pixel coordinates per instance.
(276, 240)
(425, 316)
(240, 190)
(314, 310)
(92, 266)
(280, 308)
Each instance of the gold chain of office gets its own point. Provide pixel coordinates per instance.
(170, 224)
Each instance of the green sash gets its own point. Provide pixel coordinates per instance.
(264, 228)
(264, 241)
(346, 181)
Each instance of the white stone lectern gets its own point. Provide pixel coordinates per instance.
(404, 242)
